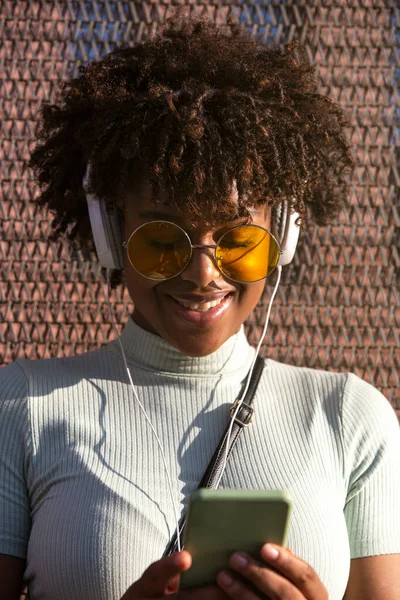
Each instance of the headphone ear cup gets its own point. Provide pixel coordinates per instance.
(287, 231)
(106, 229)
(277, 221)
(107, 234)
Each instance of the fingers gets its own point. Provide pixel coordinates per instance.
(209, 592)
(296, 570)
(234, 587)
(268, 582)
(160, 576)
(284, 576)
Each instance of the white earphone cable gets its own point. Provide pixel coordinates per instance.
(169, 480)
(279, 272)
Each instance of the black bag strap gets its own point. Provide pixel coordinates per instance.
(213, 470)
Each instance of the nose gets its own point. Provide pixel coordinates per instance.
(202, 269)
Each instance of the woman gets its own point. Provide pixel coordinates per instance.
(191, 140)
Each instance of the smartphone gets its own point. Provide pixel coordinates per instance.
(220, 522)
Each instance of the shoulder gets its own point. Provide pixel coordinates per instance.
(25, 379)
(359, 405)
(354, 393)
(362, 399)
(36, 372)
(13, 408)
(369, 421)
(367, 426)
(303, 382)
(13, 383)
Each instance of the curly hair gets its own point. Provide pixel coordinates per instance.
(189, 112)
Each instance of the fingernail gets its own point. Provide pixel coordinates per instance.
(225, 578)
(239, 561)
(270, 552)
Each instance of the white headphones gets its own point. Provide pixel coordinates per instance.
(108, 233)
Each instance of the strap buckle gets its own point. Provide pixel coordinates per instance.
(247, 418)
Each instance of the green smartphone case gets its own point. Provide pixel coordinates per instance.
(221, 522)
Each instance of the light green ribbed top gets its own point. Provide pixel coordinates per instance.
(83, 491)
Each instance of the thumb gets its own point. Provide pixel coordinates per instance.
(155, 579)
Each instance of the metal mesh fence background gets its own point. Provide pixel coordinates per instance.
(338, 304)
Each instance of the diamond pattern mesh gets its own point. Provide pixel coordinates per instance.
(338, 305)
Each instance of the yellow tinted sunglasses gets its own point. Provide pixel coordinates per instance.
(160, 250)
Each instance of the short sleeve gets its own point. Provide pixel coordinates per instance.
(371, 440)
(14, 443)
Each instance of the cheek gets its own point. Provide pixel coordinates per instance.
(251, 295)
(141, 290)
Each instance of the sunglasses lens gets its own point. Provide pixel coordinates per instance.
(247, 253)
(159, 250)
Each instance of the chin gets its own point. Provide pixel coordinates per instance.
(197, 345)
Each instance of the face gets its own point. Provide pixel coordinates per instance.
(162, 307)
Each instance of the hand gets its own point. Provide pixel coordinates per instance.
(162, 579)
(286, 577)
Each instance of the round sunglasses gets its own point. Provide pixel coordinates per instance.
(160, 250)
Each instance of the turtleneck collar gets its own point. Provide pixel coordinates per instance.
(152, 352)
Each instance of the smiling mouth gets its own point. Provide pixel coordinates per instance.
(201, 306)
(201, 313)
(198, 304)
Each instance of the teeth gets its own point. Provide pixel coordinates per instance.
(203, 306)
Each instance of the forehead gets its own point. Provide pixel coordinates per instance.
(142, 205)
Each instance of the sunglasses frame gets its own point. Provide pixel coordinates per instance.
(125, 244)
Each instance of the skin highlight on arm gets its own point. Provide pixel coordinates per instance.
(374, 578)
